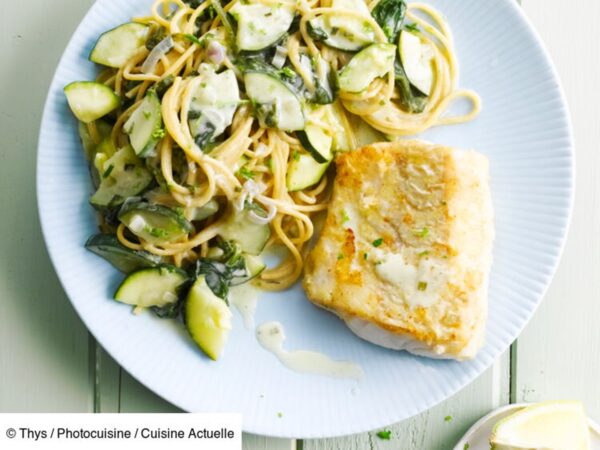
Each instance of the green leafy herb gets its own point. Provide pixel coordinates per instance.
(345, 217)
(164, 85)
(423, 253)
(158, 134)
(246, 173)
(389, 14)
(317, 34)
(467, 446)
(411, 100)
(280, 415)
(366, 256)
(447, 418)
(193, 39)
(422, 233)
(147, 114)
(156, 232)
(413, 27)
(386, 435)
(422, 286)
(287, 72)
(377, 242)
(340, 256)
(156, 35)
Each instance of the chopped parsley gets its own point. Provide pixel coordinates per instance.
(156, 232)
(340, 256)
(447, 418)
(412, 27)
(422, 286)
(423, 253)
(108, 171)
(280, 415)
(424, 232)
(193, 39)
(296, 155)
(386, 435)
(366, 256)
(147, 114)
(287, 72)
(158, 134)
(377, 242)
(246, 173)
(467, 446)
(345, 217)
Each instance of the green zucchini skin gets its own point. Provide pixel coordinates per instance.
(155, 287)
(122, 258)
(154, 223)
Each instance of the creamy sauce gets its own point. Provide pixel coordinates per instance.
(245, 299)
(421, 285)
(271, 336)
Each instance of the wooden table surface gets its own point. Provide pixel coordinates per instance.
(50, 363)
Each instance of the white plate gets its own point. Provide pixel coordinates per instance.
(525, 131)
(478, 436)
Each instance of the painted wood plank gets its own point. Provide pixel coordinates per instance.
(136, 398)
(44, 347)
(557, 355)
(438, 428)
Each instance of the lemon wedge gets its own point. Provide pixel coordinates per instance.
(560, 425)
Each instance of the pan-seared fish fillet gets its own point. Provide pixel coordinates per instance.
(405, 252)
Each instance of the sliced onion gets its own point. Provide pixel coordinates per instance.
(261, 150)
(280, 56)
(161, 49)
(215, 52)
(239, 202)
(271, 213)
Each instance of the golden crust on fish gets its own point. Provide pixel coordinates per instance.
(405, 252)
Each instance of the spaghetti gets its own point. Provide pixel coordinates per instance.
(203, 33)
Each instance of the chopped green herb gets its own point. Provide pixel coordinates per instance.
(386, 435)
(366, 256)
(412, 27)
(377, 242)
(202, 85)
(156, 232)
(246, 173)
(296, 155)
(108, 171)
(447, 418)
(280, 415)
(382, 103)
(467, 446)
(194, 39)
(287, 73)
(158, 134)
(424, 232)
(345, 217)
(340, 256)
(422, 286)
(147, 114)
(423, 253)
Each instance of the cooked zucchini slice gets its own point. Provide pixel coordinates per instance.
(207, 318)
(124, 259)
(304, 171)
(240, 227)
(254, 267)
(89, 146)
(260, 26)
(144, 126)
(154, 223)
(204, 212)
(318, 142)
(213, 104)
(122, 175)
(154, 287)
(345, 32)
(115, 47)
(372, 62)
(90, 101)
(416, 59)
(278, 104)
